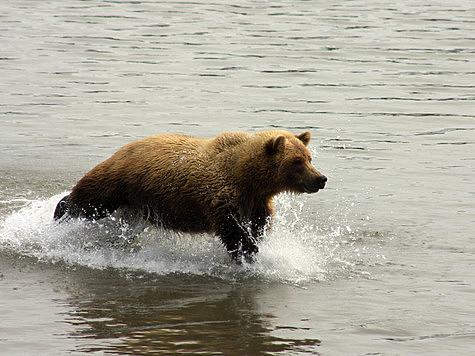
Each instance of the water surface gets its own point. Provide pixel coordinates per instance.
(380, 262)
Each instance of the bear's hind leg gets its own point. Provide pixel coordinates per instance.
(62, 208)
(68, 208)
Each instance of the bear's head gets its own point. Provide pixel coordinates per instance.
(291, 160)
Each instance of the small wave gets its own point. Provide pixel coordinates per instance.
(293, 252)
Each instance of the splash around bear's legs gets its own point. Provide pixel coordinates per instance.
(236, 237)
(238, 240)
(240, 251)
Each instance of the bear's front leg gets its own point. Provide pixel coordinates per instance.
(238, 239)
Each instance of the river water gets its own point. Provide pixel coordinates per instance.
(379, 262)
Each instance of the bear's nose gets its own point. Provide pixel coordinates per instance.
(321, 181)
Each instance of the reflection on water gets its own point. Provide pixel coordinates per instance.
(120, 312)
(176, 314)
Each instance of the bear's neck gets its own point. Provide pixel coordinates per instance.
(254, 184)
(254, 200)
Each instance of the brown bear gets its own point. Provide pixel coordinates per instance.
(223, 185)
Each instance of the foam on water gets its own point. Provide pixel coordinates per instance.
(293, 252)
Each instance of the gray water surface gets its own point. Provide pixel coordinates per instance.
(379, 262)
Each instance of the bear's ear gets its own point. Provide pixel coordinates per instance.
(304, 137)
(275, 144)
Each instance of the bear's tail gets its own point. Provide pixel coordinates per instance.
(63, 208)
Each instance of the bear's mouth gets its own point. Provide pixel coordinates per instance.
(310, 190)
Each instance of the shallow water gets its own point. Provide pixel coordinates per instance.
(379, 262)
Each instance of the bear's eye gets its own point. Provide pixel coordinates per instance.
(298, 162)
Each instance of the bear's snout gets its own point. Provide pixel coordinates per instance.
(322, 180)
(314, 183)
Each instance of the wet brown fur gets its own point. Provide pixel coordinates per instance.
(224, 185)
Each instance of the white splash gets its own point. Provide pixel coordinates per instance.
(293, 252)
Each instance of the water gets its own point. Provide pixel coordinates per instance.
(380, 262)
